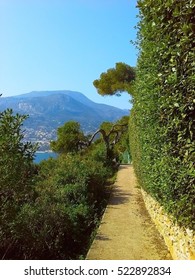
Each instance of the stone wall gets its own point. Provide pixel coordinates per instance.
(180, 241)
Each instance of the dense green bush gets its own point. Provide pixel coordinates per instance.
(161, 123)
(73, 196)
(16, 177)
(69, 198)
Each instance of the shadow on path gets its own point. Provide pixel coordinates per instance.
(119, 196)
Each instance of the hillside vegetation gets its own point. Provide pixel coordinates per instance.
(50, 210)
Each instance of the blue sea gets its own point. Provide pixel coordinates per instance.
(44, 155)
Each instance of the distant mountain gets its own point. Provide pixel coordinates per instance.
(48, 110)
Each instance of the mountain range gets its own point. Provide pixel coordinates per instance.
(47, 110)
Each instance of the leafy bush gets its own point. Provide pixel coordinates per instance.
(161, 122)
(69, 198)
(16, 177)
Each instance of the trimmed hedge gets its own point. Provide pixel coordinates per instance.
(162, 119)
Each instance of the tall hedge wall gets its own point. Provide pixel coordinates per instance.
(162, 119)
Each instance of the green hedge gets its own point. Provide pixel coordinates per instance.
(162, 118)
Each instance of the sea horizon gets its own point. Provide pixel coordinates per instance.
(44, 155)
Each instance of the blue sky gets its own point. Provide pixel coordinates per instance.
(64, 44)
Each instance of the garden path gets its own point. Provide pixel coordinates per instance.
(126, 231)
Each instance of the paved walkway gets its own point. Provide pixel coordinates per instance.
(126, 231)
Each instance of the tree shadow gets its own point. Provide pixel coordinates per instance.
(119, 196)
(102, 237)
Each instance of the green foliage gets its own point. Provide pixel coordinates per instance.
(112, 135)
(69, 137)
(16, 175)
(162, 119)
(118, 137)
(123, 144)
(115, 80)
(69, 200)
(98, 152)
(53, 214)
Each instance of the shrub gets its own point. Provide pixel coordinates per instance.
(17, 174)
(70, 196)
